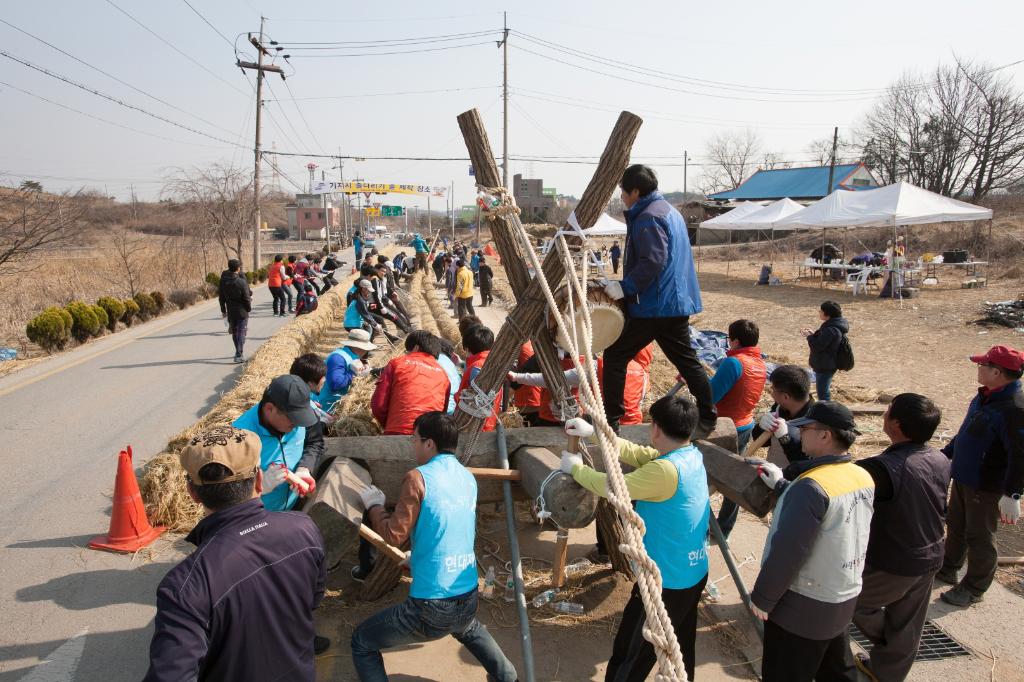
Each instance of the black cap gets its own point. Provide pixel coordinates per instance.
(829, 413)
(290, 394)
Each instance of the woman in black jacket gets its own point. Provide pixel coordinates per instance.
(824, 344)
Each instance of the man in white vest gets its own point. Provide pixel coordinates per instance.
(814, 553)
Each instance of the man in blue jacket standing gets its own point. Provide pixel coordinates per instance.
(659, 285)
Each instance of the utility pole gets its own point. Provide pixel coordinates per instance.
(686, 160)
(259, 68)
(504, 93)
(832, 161)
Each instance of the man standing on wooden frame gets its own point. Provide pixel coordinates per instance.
(659, 287)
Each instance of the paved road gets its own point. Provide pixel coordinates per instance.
(64, 422)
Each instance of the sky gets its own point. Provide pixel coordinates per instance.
(397, 74)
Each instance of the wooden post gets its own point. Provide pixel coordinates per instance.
(561, 554)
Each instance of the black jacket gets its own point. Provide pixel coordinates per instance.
(824, 344)
(241, 606)
(486, 275)
(234, 295)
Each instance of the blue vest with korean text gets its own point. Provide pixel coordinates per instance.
(287, 450)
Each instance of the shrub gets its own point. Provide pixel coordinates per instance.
(65, 317)
(213, 278)
(101, 316)
(207, 290)
(114, 309)
(47, 330)
(261, 274)
(84, 321)
(250, 277)
(147, 306)
(131, 311)
(183, 298)
(159, 299)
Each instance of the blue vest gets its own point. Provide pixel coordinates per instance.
(443, 563)
(353, 320)
(677, 528)
(287, 450)
(326, 397)
(454, 378)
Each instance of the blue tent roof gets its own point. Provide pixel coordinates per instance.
(795, 183)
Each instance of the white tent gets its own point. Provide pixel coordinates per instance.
(605, 226)
(897, 204)
(768, 217)
(730, 219)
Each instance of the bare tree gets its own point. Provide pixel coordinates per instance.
(773, 160)
(731, 156)
(127, 268)
(819, 151)
(31, 221)
(218, 198)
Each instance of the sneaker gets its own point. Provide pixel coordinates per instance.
(320, 644)
(358, 575)
(704, 429)
(238, 359)
(863, 663)
(960, 596)
(948, 576)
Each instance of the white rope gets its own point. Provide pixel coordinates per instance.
(476, 401)
(657, 627)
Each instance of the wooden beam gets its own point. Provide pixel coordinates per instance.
(561, 554)
(495, 474)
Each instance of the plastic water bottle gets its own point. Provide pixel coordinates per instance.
(544, 597)
(577, 567)
(488, 591)
(568, 607)
(713, 592)
(510, 589)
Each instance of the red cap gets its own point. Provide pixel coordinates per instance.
(1003, 356)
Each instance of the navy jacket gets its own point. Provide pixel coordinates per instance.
(988, 450)
(824, 344)
(241, 606)
(658, 275)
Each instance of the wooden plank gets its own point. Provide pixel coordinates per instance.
(561, 554)
(495, 474)
(392, 552)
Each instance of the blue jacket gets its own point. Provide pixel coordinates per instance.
(474, 263)
(338, 378)
(240, 607)
(420, 245)
(357, 244)
(658, 275)
(988, 450)
(286, 448)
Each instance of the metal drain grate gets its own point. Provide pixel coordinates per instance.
(935, 643)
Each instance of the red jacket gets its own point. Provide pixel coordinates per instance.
(473, 365)
(739, 403)
(410, 385)
(275, 274)
(526, 396)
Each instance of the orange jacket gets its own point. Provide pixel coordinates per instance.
(410, 385)
(739, 403)
(275, 275)
(636, 386)
(473, 365)
(526, 396)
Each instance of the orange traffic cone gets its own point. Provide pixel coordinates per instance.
(129, 527)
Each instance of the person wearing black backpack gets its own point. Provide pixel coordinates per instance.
(827, 356)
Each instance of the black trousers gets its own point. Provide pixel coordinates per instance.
(971, 525)
(791, 658)
(615, 266)
(633, 656)
(485, 295)
(279, 305)
(673, 336)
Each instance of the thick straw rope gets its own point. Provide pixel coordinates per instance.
(657, 627)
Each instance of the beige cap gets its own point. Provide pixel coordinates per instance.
(236, 449)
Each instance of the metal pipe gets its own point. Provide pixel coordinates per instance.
(723, 545)
(517, 566)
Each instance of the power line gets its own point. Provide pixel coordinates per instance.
(391, 42)
(382, 54)
(113, 77)
(287, 119)
(207, 22)
(111, 98)
(312, 134)
(395, 94)
(175, 48)
(321, 20)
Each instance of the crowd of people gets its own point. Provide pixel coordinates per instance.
(850, 541)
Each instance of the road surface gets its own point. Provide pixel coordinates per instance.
(64, 421)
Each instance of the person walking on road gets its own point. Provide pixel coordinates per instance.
(814, 554)
(422, 249)
(463, 290)
(988, 475)
(486, 277)
(357, 246)
(275, 282)
(905, 546)
(616, 253)
(670, 487)
(435, 512)
(659, 285)
(235, 298)
(254, 578)
(824, 345)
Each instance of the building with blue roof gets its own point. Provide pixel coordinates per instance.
(808, 184)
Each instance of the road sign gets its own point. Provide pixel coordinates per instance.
(549, 191)
(394, 211)
(371, 211)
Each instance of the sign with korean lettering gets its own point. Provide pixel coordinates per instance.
(331, 187)
(394, 211)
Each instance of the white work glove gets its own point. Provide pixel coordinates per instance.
(614, 290)
(371, 496)
(579, 427)
(404, 563)
(1009, 510)
(569, 461)
(770, 473)
(303, 474)
(774, 424)
(274, 475)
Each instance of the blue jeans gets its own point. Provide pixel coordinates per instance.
(730, 511)
(423, 620)
(823, 384)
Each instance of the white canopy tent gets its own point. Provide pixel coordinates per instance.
(768, 218)
(731, 218)
(606, 226)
